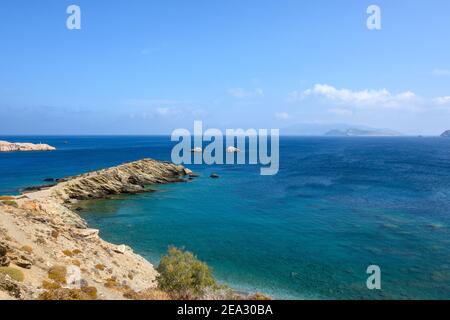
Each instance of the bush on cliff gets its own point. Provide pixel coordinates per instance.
(11, 203)
(15, 274)
(183, 276)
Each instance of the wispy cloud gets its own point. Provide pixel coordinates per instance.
(163, 108)
(241, 93)
(443, 101)
(441, 72)
(363, 98)
(142, 103)
(340, 112)
(283, 116)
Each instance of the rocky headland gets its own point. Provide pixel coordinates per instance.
(446, 134)
(47, 251)
(6, 146)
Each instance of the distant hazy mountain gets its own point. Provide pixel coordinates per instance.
(335, 129)
(446, 134)
(354, 132)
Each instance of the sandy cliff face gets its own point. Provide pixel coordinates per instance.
(6, 146)
(38, 233)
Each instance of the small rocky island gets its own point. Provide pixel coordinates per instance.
(446, 134)
(6, 146)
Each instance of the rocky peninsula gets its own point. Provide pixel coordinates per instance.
(47, 251)
(6, 146)
(446, 134)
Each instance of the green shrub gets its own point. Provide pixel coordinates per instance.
(15, 274)
(183, 276)
(11, 203)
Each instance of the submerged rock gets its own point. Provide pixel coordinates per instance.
(214, 175)
(37, 188)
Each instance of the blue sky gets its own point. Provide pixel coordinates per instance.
(148, 67)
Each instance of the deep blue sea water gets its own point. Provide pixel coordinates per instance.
(337, 206)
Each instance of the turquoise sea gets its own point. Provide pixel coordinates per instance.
(337, 206)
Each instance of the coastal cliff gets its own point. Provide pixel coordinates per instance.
(6, 146)
(47, 251)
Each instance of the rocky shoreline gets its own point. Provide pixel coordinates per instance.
(40, 235)
(6, 146)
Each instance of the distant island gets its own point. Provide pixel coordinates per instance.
(446, 134)
(336, 130)
(354, 132)
(6, 146)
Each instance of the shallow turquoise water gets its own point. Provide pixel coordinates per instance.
(337, 206)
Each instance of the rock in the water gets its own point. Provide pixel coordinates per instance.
(446, 134)
(197, 150)
(233, 150)
(36, 188)
(6, 146)
(49, 180)
(214, 175)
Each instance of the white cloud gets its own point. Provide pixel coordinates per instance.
(240, 93)
(341, 112)
(283, 116)
(163, 111)
(145, 103)
(441, 72)
(364, 98)
(442, 101)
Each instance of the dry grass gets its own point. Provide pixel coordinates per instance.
(148, 294)
(111, 283)
(76, 263)
(100, 267)
(86, 293)
(68, 253)
(6, 198)
(47, 285)
(58, 274)
(14, 273)
(27, 249)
